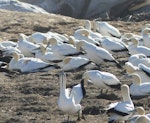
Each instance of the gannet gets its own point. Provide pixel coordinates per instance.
(138, 89)
(113, 45)
(63, 49)
(146, 37)
(134, 48)
(121, 111)
(138, 112)
(29, 64)
(8, 43)
(96, 54)
(126, 37)
(69, 100)
(84, 34)
(141, 70)
(47, 55)
(76, 63)
(27, 48)
(88, 28)
(101, 79)
(142, 119)
(136, 59)
(8, 50)
(38, 37)
(107, 29)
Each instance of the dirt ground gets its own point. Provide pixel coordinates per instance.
(32, 98)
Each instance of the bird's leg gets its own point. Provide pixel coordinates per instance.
(83, 117)
(106, 92)
(101, 91)
(79, 115)
(68, 119)
(101, 115)
(147, 103)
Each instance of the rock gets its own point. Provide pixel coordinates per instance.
(15, 5)
(87, 9)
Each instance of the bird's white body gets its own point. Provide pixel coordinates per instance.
(121, 111)
(107, 29)
(75, 63)
(69, 100)
(101, 79)
(96, 54)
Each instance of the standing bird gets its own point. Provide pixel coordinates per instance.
(69, 99)
(103, 80)
(121, 111)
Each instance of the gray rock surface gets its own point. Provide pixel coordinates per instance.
(87, 9)
(15, 5)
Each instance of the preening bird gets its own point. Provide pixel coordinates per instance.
(69, 99)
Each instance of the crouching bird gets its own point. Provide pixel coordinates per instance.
(69, 99)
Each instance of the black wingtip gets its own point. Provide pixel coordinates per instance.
(118, 64)
(118, 86)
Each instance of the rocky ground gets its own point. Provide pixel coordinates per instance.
(32, 98)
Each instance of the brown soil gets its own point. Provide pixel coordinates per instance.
(32, 98)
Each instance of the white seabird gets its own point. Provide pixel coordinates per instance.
(8, 50)
(141, 70)
(63, 49)
(27, 48)
(142, 119)
(113, 45)
(138, 112)
(47, 55)
(146, 37)
(138, 89)
(29, 64)
(126, 37)
(107, 29)
(84, 34)
(134, 48)
(76, 63)
(69, 100)
(121, 111)
(96, 54)
(38, 37)
(103, 80)
(8, 43)
(136, 59)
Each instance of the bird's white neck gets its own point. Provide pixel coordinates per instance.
(62, 83)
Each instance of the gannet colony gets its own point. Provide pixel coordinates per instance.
(87, 49)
